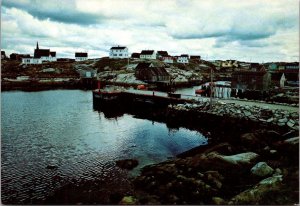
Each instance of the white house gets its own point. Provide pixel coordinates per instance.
(81, 56)
(147, 54)
(120, 52)
(32, 60)
(183, 58)
(167, 59)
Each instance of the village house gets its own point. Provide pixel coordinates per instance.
(292, 66)
(18, 57)
(118, 52)
(148, 54)
(230, 64)
(84, 73)
(278, 79)
(254, 78)
(183, 58)
(168, 59)
(31, 60)
(148, 73)
(283, 66)
(164, 56)
(3, 55)
(292, 78)
(81, 56)
(160, 54)
(135, 55)
(196, 58)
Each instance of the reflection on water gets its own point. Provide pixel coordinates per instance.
(61, 130)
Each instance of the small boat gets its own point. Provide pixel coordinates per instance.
(174, 95)
(141, 87)
(199, 91)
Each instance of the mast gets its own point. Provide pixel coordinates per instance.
(211, 88)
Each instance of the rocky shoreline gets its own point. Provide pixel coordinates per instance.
(241, 172)
(255, 163)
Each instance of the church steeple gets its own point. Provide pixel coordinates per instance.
(37, 45)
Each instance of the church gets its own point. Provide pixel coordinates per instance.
(40, 56)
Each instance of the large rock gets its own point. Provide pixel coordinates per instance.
(260, 193)
(261, 169)
(215, 161)
(128, 164)
(128, 200)
(241, 159)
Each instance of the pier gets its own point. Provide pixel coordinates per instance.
(138, 98)
(162, 99)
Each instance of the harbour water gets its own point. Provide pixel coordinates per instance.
(52, 138)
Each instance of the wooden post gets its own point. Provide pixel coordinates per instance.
(99, 85)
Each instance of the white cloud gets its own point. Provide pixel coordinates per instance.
(214, 28)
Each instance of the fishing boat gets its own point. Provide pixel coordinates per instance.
(199, 91)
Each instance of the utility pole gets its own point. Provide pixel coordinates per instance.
(128, 63)
(211, 88)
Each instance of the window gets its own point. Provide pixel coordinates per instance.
(115, 55)
(120, 55)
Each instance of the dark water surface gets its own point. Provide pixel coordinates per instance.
(60, 129)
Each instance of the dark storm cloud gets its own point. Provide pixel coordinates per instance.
(227, 35)
(197, 35)
(60, 11)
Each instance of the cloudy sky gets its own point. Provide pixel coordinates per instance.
(248, 30)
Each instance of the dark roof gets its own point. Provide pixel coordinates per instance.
(147, 52)
(195, 57)
(135, 55)
(154, 71)
(184, 55)
(163, 53)
(159, 71)
(292, 64)
(53, 54)
(118, 47)
(143, 65)
(81, 54)
(276, 76)
(38, 53)
(292, 76)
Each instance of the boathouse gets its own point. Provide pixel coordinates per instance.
(254, 78)
(152, 74)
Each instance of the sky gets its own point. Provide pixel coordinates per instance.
(246, 30)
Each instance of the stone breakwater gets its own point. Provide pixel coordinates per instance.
(265, 115)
